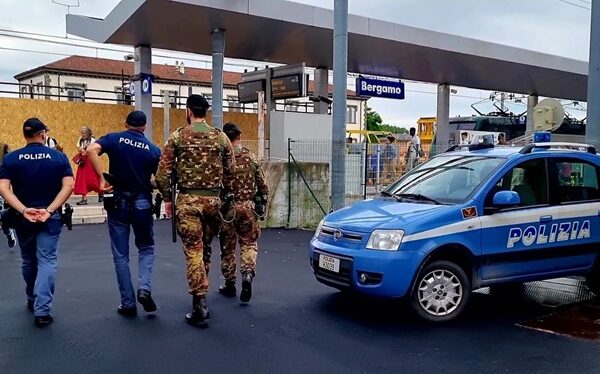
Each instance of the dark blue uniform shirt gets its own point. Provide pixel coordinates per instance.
(35, 173)
(133, 160)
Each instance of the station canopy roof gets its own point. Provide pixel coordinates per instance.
(286, 32)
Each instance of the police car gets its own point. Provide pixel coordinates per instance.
(472, 217)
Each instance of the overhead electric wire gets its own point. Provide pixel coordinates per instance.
(32, 51)
(14, 34)
(574, 4)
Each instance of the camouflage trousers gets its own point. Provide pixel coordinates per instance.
(197, 222)
(245, 230)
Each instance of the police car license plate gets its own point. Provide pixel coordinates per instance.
(329, 263)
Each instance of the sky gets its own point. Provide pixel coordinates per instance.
(549, 26)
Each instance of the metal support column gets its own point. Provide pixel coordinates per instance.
(218, 55)
(532, 101)
(143, 65)
(592, 131)
(270, 105)
(321, 90)
(443, 118)
(340, 76)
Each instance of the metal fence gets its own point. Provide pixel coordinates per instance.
(370, 168)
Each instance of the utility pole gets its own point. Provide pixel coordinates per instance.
(340, 83)
(592, 131)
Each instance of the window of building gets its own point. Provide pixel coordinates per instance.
(39, 90)
(292, 106)
(123, 95)
(75, 91)
(208, 98)
(233, 104)
(24, 91)
(351, 111)
(172, 94)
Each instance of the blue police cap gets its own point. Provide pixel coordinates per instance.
(32, 126)
(136, 118)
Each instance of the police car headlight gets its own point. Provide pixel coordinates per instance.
(318, 230)
(385, 240)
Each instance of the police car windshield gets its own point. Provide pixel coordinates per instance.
(447, 179)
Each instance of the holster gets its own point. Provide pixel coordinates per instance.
(109, 202)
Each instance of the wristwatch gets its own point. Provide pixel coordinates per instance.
(49, 211)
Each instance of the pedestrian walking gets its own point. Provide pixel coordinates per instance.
(8, 232)
(202, 159)
(414, 150)
(86, 180)
(388, 155)
(53, 143)
(133, 161)
(251, 192)
(35, 181)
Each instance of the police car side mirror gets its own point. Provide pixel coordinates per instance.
(506, 199)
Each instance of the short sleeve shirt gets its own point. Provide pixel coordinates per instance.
(133, 159)
(36, 173)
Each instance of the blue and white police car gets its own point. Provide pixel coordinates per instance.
(472, 217)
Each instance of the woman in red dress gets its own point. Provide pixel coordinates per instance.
(86, 180)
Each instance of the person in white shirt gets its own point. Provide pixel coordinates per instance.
(464, 138)
(52, 142)
(414, 150)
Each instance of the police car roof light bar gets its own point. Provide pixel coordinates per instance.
(555, 145)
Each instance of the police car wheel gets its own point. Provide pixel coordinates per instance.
(441, 291)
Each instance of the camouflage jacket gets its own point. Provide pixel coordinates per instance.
(201, 156)
(249, 179)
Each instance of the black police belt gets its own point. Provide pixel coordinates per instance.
(213, 192)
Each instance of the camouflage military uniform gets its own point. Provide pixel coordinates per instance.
(248, 182)
(203, 159)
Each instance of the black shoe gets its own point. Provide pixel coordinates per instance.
(127, 312)
(43, 321)
(200, 316)
(11, 239)
(145, 298)
(30, 303)
(246, 293)
(100, 199)
(82, 202)
(228, 289)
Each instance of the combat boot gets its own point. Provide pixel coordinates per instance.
(228, 289)
(200, 316)
(246, 293)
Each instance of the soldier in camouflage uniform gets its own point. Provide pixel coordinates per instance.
(202, 158)
(251, 194)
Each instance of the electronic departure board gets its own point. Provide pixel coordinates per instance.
(248, 91)
(288, 87)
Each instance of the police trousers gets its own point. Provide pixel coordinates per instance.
(39, 251)
(132, 211)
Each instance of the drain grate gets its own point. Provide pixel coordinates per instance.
(579, 314)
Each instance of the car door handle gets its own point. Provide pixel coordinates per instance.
(545, 218)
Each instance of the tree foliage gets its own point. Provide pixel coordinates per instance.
(375, 123)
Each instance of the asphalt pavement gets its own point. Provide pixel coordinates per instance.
(292, 325)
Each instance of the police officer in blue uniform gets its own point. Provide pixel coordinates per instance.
(133, 161)
(35, 181)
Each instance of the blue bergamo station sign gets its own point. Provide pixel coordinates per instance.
(379, 88)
